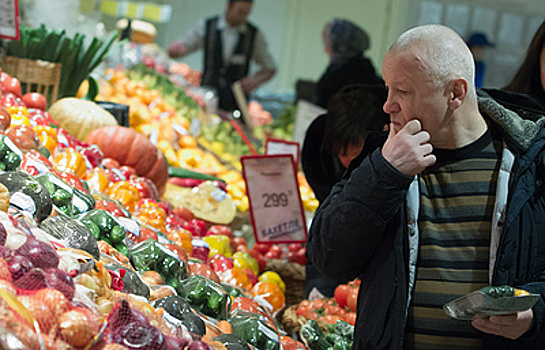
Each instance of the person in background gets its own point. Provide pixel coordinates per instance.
(345, 44)
(530, 77)
(478, 44)
(429, 216)
(331, 142)
(230, 43)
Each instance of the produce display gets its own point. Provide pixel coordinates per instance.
(118, 238)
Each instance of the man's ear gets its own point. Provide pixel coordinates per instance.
(458, 93)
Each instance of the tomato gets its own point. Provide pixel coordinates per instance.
(341, 294)
(261, 248)
(352, 299)
(35, 100)
(331, 319)
(236, 241)
(350, 318)
(12, 85)
(244, 249)
(245, 304)
(308, 313)
(298, 257)
(275, 252)
(145, 233)
(294, 247)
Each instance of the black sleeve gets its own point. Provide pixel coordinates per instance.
(349, 224)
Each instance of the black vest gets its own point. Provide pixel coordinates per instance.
(219, 74)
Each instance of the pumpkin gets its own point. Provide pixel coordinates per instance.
(80, 117)
(130, 148)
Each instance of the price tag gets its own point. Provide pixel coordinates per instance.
(9, 19)
(275, 202)
(276, 146)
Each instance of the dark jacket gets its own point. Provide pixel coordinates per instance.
(355, 70)
(366, 228)
(220, 74)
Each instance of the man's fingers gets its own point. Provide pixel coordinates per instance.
(429, 160)
(505, 320)
(422, 137)
(413, 126)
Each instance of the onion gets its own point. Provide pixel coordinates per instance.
(41, 312)
(32, 280)
(18, 266)
(54, 299)
(5, 272)
(78, 327)
(198, 345)
(60, 280)
(40, 254)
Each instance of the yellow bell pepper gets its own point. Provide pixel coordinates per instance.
(273, 277)
(219, 244)
(245, 261)
(70, 161)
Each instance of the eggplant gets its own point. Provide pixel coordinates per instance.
(179, 308)
(27, 194)
(76, 234)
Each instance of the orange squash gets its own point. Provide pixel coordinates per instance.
(130, 148)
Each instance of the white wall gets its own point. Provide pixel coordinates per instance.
(293, 28)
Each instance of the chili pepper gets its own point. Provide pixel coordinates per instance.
(10, 155)
(70, 161)
(152, 255)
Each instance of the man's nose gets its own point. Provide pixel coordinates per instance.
(390, 106)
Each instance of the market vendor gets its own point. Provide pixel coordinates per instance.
(229, 43)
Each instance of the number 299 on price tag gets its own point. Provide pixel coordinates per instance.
(276, 209)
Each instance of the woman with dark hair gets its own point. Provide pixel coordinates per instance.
(331, 142)
(345, 44)
(530, 78)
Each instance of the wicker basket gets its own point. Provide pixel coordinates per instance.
(292, 323)
(293, 276)
(35, 75)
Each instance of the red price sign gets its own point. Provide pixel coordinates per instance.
(276, 146)
(9, 19)
(275, 202)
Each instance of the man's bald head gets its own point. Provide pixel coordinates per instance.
(440, 52)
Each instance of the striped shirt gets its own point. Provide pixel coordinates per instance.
(457, 199)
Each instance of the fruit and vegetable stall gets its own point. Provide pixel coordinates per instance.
(136, 237)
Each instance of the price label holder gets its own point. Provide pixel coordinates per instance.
(9, 19)
(276, 146)
(275, 202)
(306, 113)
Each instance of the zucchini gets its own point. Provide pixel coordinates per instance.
(188, 174)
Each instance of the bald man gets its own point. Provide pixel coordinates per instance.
(429, 216)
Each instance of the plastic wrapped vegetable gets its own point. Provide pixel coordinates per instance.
(152, 255)
(73, 232)
(180, 309)
(253, 329)
(313, 336)
(132, 283)
(10, 155)
(232, 342)
(206, 296)
(27, 194)
(104, 227)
